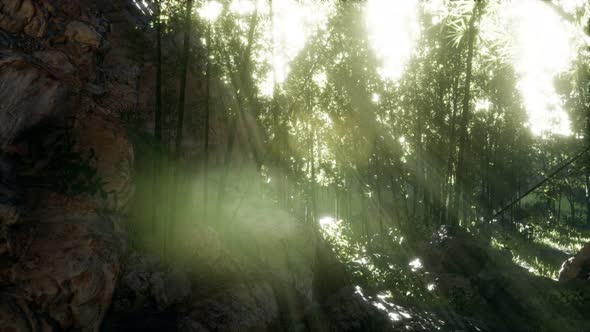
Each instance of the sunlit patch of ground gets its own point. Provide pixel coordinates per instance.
(545, 248)
(413, 319)
(404, 285)
(566, 239)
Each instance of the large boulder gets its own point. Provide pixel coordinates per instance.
(576, 267)
(242, 307)
(453, 250)
(350, 309)
(83, 33)
(23, 16)
(15, 15)
(9, 216)
(61, 250)
(56, 60)
(63, 269)
(282, 245)
(107, 140)
(253, 275)
(145, 282)
(29, 95)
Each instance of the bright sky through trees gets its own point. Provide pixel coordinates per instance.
(543, 47)
(292, 24)
(540, 44)
(393, 28)
(210, 10)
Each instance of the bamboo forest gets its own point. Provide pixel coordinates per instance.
(295, 165)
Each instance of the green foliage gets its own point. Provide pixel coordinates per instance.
(392, 160)
(379, 267)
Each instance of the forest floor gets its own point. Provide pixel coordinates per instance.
(499, 279)
(539, 248)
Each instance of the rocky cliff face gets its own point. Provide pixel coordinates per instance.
(66, 161)
(68, 78)
(68, 81)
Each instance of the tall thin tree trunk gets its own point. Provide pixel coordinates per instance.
(206, 133)
(587, 196)
(237, 80)
(395, 204)
(158, 116)
(558, 218)
(465, 115)
(364, 218)
(380, 211)
(587, 164)
(180, 123)
(232, 135)
(314, 207)
(418, 172)
(184, 74)
(452, 148)
(278, 134)
(349, 200)
(571, 199)
(156, 163)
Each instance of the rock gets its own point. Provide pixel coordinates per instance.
(95, 89)
(56, 60)
(104, 137)
(244, 307)
(350, 309)
(330, 274)
(455, 251)
(63, 9)
(60, 256)
(138, 270)
(133, 290)
(9, 212)
(201, 251)
(83, 33)
(262, 241)
(243, 278)
(26, 16)
(456, 288)
(7, 168)
(36, 27)
(577, 267)
(170, 288)
(144, 280)
(65, 271)
(9, 216)
(15, 14)
(284, 246)
(15, 315)
(29, 95)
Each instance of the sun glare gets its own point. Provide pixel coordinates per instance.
(210, 10)
(242, 7)
(327, 221)
(293, 23)
(285, 35)
(393, 28)
(543, 47)
(416, 264)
